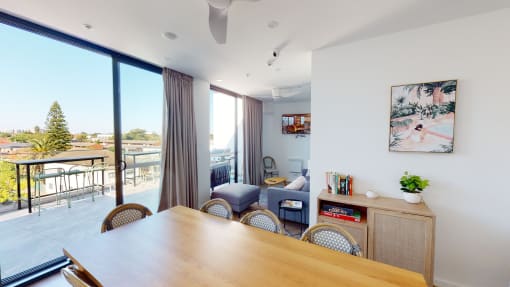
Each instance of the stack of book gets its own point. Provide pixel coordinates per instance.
(340, 212)
(296, 204)
(338, 183)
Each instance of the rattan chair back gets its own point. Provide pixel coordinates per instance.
(218, 207)
(124, 214)
(76, 278)
(264, 219)
(333, 237)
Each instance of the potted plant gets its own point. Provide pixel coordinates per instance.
(412, 185)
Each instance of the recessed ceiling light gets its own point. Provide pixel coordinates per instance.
(87, 26)
(272, 24)
(169, 35)
(219, 81)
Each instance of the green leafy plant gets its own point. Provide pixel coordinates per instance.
(413, 183)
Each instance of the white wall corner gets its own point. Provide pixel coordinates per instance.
(201, 90)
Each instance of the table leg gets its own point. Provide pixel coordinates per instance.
(29, 194)
(134, 170)
(93, 180)
(18, 185)
(102, 177)
(124, 171)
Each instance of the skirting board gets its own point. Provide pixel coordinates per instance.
(445, 283)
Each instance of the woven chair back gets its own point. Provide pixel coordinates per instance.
(333, 237)
(263, 219)
(218, 207)
(124, 214)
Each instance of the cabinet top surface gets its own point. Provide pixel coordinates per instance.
(380, 202)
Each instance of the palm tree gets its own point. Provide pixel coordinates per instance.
(42, 147)
(435, 89)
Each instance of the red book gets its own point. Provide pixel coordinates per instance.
(340, 216)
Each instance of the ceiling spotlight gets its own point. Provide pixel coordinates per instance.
(219, 81)
(272, 24)
(87, 26)
(169, 35)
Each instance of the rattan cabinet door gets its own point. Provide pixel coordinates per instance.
(402, 240)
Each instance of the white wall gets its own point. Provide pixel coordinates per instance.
(282, 147)
(469, 189)
(201, 105)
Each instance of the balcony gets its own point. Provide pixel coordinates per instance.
(29, 239)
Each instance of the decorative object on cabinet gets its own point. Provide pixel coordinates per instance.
(371, 194)
(412, 185)
(423, 116)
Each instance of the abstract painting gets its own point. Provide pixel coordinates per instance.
(423, 117)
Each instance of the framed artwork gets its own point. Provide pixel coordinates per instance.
(423, 117)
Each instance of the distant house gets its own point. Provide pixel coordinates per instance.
(14, 148)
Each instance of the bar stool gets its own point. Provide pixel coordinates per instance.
(55, 173)
(98, 167)
(76, 171)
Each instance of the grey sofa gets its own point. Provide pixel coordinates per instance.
(276, 194)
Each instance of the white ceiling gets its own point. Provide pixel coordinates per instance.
(134, 27)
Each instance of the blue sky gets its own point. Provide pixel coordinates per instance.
(36, 71)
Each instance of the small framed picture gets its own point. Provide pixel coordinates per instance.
(422, 117)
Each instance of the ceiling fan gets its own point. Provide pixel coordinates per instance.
(218, 18)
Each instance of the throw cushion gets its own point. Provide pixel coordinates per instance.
(306, 186)
(297, 184)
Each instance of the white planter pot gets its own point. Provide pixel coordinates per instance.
(412, 197)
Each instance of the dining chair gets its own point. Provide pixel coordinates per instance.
(218, 207)
(76, 277)
(263, 219)
(124, 214)
(50, 173)
(333, 237)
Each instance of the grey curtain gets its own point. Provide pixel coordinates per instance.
(252, 135)
(179, 147)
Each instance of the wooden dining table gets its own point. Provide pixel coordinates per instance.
(185, 247)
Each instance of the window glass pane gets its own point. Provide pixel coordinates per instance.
(141, 112)
(39, 74)
(224, 145)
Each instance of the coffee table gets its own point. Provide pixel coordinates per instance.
(275, 180)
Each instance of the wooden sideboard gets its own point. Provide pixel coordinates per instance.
(391, 230)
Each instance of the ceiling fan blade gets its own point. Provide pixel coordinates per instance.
(218, 19)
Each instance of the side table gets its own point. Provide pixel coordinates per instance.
(291, 205)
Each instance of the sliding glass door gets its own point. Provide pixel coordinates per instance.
(141, 102)
(226, 134)
(60, 101)
(56, 102)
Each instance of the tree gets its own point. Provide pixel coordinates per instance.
(135, 134)
(82, 137)
(42, 147)
(8, 182)
(56, 128)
